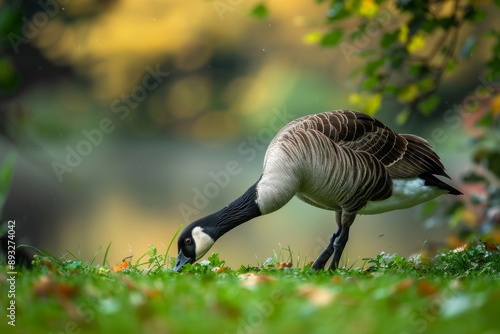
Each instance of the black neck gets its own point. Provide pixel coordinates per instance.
(236, 213)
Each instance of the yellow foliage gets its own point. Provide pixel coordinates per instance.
(354, 98)
(416, 43)
(403, 34)
(495, 105)
(372, 104)
(312, 37)
(413, 44)
(368, 104)
(409, 93)
(368, 8)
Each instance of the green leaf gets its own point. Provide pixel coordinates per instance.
(372, 66)
(445, 23)
(397, 57)
(419, 69)
(370, 82)
(260, 11)
(450, 66)
(9, 79)
(6, 171)
(475, 14)
(392, 89)
(493, 162)
(473, 177)
(486, 121)
(427, 83)
(429, 104)
(388, 39)
(332, 38)
(337, 11)
(402, 116)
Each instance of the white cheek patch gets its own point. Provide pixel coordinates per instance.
(203, 242)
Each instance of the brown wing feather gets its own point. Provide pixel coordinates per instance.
(419, 158)
(404, 156)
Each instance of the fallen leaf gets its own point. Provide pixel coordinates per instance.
(48, 264)
(336, 280)
(426, 288)
(489, 246)
(317, 296)
(46, 286)
(131, 285)
(250, 279)
(152, 293)
(218, 270)
(403, 285)
(282, 265)
(121, 266)
(43, 286)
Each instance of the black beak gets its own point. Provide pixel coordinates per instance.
(182, 260)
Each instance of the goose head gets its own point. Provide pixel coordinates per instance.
(198, 237)
(194, 242)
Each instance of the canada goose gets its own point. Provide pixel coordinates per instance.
(342, 160)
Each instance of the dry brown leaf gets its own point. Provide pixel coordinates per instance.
(121, 266)
(426, 288)
(152, 293)
(48, 264)
(45, 286)
(490, 246)
(336, 280)
(252, 279)
(218, 270)
(317, 296)
(282, 265)
(131, 285)
(403, 285)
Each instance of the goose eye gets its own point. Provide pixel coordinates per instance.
(187, 241)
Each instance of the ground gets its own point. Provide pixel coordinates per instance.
(455, 292)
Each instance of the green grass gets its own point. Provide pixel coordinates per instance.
(455, 293)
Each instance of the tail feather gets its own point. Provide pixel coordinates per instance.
(431, 180)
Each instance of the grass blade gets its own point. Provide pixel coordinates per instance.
(104, 260)
(171, 242)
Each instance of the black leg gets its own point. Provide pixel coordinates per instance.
(329, 250)
(341, 241)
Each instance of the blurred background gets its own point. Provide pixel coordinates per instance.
(120, 113)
